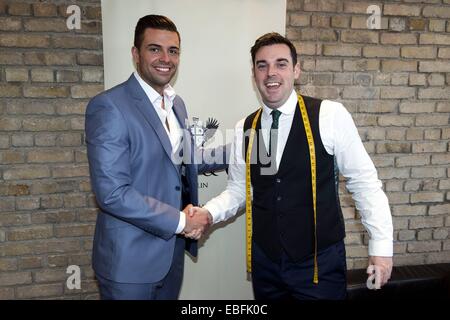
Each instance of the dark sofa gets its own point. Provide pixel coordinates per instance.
(430, 281)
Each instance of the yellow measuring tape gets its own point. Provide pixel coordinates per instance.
(248, 195)
(248, 201)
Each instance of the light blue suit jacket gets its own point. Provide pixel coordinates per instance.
(136, 184)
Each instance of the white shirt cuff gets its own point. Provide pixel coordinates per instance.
(211, 209)
(181, 223)
(381, 248)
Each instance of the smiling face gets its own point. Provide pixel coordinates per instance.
(275, 74)
(158, 57)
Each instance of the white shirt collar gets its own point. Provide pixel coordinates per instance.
(152, 94)
(287, 108)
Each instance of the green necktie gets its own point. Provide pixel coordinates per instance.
(275, 117)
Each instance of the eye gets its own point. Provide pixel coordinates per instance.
(261, 66)
(154, 49)
(282, 65)
(174, 52)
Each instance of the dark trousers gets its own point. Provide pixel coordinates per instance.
(166, 289)
(287, 280)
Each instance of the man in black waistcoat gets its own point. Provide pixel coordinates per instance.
(294, 146)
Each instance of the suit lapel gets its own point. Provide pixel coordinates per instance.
(180, 113)
(147, 110)
(188, 151)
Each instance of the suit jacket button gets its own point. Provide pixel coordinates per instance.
(279, 198)
(177, 188)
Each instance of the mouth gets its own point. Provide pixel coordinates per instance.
(272, 85)
(161, 69)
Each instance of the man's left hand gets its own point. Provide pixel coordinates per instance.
(384, 264)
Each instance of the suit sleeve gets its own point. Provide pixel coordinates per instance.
(109, 163)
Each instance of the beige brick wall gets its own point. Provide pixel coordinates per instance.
(394, 81)
(47, 75)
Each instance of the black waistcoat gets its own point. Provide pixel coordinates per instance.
(282, 207)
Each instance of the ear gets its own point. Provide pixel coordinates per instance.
(135, 54)
(297, 70)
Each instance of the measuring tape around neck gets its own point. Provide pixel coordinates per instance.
(248, 196)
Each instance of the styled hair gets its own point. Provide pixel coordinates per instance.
(272, 38)
(155, 22)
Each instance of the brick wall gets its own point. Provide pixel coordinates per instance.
(394, 81)
(47, 75)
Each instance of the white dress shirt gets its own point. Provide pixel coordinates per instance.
(340, 138)
(174, 131)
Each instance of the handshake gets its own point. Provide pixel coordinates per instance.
(198, 220)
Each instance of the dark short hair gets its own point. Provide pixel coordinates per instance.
(269, 39)
(155, 22)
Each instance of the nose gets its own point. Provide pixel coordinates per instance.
(271, 70)
(164, 56)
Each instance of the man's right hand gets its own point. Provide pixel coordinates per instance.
(197, 221)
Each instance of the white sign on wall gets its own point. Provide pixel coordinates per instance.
(214, 79)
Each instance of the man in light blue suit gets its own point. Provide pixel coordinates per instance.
(136, 138)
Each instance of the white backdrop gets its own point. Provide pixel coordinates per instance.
(214, 79)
